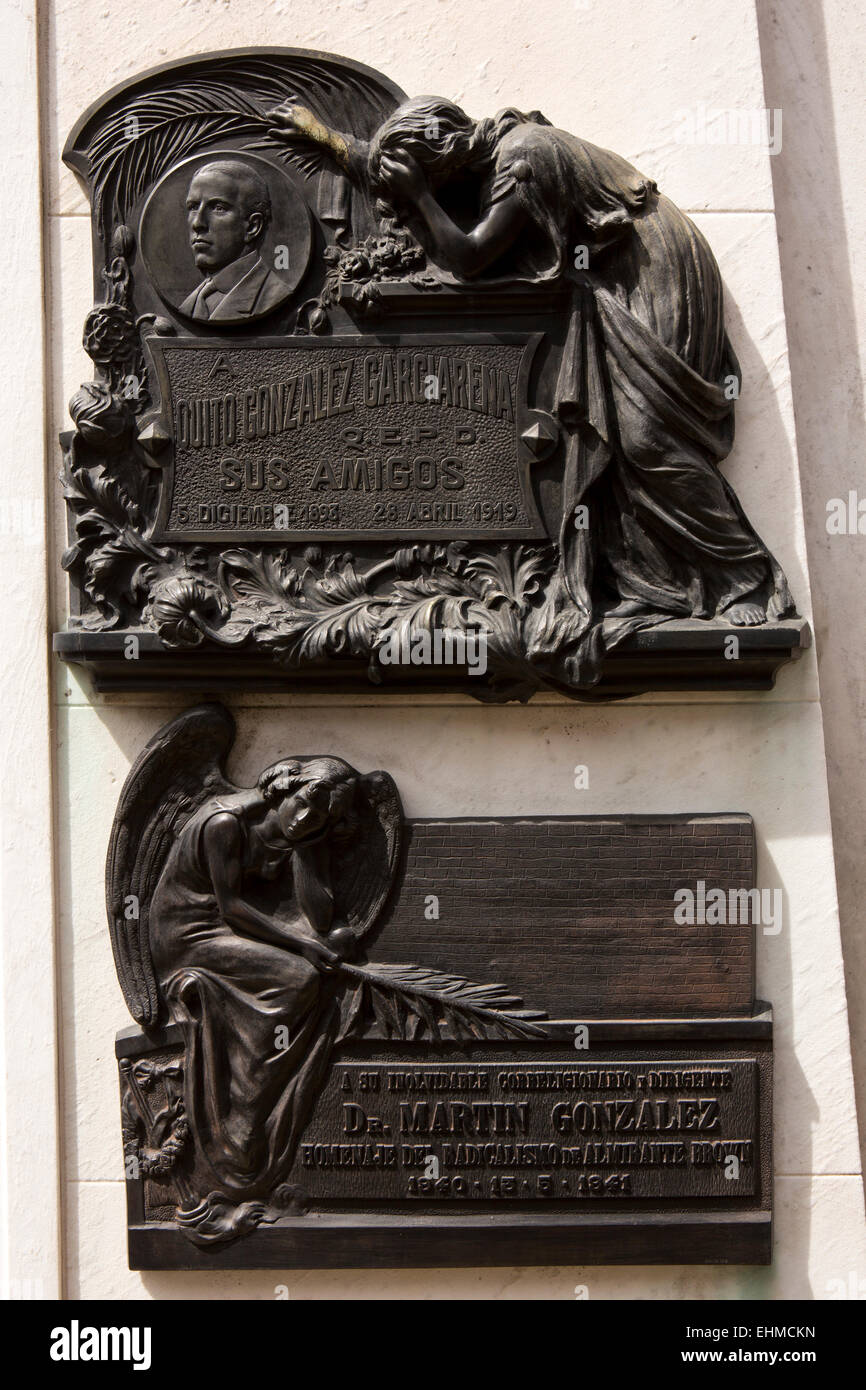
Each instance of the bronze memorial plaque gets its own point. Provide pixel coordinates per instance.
(331, 438)
(368, 370)
(367, 1040)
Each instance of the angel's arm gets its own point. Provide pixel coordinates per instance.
(464, 253)
(222, 846)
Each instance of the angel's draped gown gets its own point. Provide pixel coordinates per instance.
(645, 389)
(247, 1096)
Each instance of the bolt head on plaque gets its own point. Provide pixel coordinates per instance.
(542, 436)
(153, 437)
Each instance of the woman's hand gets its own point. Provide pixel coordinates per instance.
(293, 124)
(290, 119)
(404, 176)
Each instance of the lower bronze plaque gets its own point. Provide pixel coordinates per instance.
(572, 1069)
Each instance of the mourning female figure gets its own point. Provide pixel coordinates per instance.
(650, 529)
(248, 900)
(246, 983)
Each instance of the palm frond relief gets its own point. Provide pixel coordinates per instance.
(412, 1003)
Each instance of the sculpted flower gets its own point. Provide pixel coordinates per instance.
(386, 252)
(180, 608)
(354, 265)
(406, 560)
(101, 418)
(110, 334)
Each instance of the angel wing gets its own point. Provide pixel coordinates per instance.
(367, 867)
(178, 769)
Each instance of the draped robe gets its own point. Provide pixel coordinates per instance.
(247, 1096)
(645, 392)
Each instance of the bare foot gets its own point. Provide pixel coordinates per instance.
(626, 609)
(746, 614)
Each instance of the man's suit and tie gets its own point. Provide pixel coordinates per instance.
(228, 214)
(245, 288)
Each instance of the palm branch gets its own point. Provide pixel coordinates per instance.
(407, 1000)
(123, 153)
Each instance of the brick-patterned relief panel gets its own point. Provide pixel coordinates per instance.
(581, 910)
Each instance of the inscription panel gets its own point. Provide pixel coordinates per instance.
(341, 438)
(533, 1131)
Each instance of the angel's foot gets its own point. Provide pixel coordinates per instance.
(746, 614)
(626, 609)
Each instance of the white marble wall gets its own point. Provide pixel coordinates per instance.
(30, 1217)
(625, 84)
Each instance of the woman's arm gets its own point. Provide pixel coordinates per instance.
(222, 846)
(464, 253)
(295, 124)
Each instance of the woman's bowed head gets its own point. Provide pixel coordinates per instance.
(304, 798)
(425, 143)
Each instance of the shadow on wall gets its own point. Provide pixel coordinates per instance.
(809, 186)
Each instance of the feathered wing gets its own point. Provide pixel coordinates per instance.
(365, 869)
(175, 773)
(126, 143)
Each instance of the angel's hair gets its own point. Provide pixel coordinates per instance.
(329, 777)
(252, 189)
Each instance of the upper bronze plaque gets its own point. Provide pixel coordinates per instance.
(387, 393)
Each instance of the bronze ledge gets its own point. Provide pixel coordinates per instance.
(675, 656)
(511, 1238)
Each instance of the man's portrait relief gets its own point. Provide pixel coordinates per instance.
(225, 239)
(228, 211)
